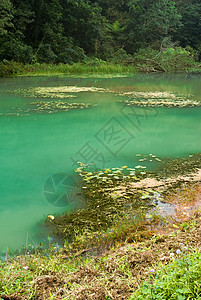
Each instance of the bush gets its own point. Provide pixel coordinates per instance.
(45, 54)
(121, 57)
(178, 59)
(170, 60)
(13, 50)
(8, 68)
(71, 55)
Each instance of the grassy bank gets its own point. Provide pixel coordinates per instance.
(116, 248)
(37, 69)
(161, 267)
(171, 60)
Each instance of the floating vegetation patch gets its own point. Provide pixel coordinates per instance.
(60, 92)
(159, 99)
(148, 158)
(56, 106)
(50, 107)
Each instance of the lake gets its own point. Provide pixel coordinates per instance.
(39, 151)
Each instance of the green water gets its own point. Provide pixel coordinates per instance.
(37, 148)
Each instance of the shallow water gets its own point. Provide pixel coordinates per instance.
(38, 151)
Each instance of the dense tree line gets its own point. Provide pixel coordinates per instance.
(69, 30)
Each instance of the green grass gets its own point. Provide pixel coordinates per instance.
(180, 279)
(21, 274)
(18, 274)
(54, 273)
(102, 67)
(145, 60)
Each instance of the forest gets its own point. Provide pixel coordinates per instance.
(70, 31)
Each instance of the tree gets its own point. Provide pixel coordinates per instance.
(68, 30)
(14, 20)
(190, 33)
(46, 31)
(6, 16)
(83, 22)
(150, 21)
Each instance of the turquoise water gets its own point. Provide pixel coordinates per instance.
(39, 150)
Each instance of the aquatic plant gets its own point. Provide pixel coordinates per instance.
(41, 106)
(108, 198)
(60, 92)
(159, 99)
(53, 106)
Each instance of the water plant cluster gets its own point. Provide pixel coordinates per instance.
(52, 99)
(60, 92)
(110, 193)
(159, 99)
(42, 106)
(107, 199)
(150, 157)
(55, 106)
(111, 176)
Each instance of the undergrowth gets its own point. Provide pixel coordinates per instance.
(180, 279)
(176, 59)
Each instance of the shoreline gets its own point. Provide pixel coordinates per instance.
(125, 251)
(15, 69)
(111, 200)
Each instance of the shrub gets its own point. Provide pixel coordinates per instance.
(71, 55)
(170, 60)
(8, 68)
(45, 54)
(121, 57)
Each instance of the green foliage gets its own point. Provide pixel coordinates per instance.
(6, 16)
(10, 68)
(170, 60)
(71, 55)
(89, 66)
(150, 22)
(60, 31)
(45, 54)
(13, 49)
(180, 279)
(121, 57)
(189, 33)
